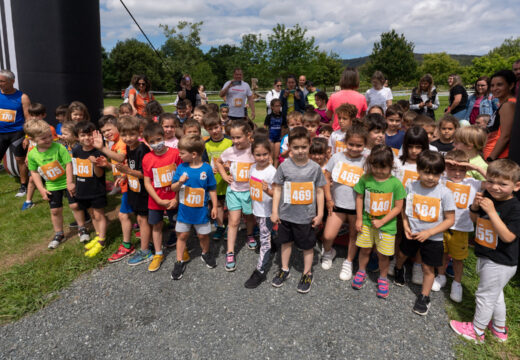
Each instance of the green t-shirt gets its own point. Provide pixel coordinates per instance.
(379, 200)
(311, 100)
(51, 165)
(214, 149)
(477, 160)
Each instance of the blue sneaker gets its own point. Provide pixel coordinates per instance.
(219, 233)
(27, 205)
(231, 264)
(140, 257)
(251, 242)
(359, 280)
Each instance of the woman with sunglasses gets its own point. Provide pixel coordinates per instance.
(273, 94)
(139, 97)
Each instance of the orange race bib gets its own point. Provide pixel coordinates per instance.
(409, 176)
(51, 171)
(133, 183)
(238, 102)
(240, 171)
(7, 115)
(115, 172)
(395, 151)
(377, 204)
(340, 146)
(426, 208)
(485, 234)
(163, 176)
(192, 197)
(84, 167)
(298, 193)
(346, 174)
(256, 188)
(460, 194)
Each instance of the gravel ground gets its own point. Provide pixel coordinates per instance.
(123, 312)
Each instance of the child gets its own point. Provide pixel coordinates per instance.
(342, 172)
(90, 191)
(238, 199)
(52, 162)
(428, 124)
(496, 213)
(424, 99)
(77, 111)
(108, 127)
(376, 109)
(404, 105)
(189, 108)
(379, 200)
(67, 137)
(321, 107)
(376, 127)
(471, 140)
(153, 110)
(198, 114)
(125, 109)
(448, 124)
(318, 151)
(193, 180)
(379, 94)
(294, 119)
(61, 116)
(170, 124)
(482, 120)
(311, 121)
(429, 211)
(325, 132)
(408, 119)
(456, 238)
(346, 114)
(297, 206)
(214, 147)
(275, 122)
(394, 135)
(262, 174)
(159, 165)
(212, 107)
(224, 114)
(191, 127)
(110, 110)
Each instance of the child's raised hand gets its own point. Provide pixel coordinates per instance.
(184, 177)
(451, 162)
(98, 139)
(487, 205)
(478, 198)
(102, 161)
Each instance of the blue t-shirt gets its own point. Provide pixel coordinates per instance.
(194, 196)
(395, 141)
(274, 122)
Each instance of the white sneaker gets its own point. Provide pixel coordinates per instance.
(346, 271)
(439, 282)
(417, 275)
(391, 267)
(326, 259)
(456, 292)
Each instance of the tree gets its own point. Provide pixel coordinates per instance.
(325, 69)
(223, 59)
(440, 66)
(393, 55)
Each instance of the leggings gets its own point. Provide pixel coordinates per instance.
(265, 225)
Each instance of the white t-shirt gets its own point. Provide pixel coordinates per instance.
(272, 94)
(378, 97)
(265, 207)
(406, 172)
(236, 97)
(463, 195)
(337, 141)
(345, 173)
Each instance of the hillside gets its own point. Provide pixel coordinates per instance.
(464, 60)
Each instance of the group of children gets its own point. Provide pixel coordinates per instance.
(408, 188)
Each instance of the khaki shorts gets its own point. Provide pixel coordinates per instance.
(369, 236)
(456, 244)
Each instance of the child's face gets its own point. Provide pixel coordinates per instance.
(224, 112)
(276, 108)
(375, 110)
(189, 109)
(262, 156)
(320, 159)
(239, 138)
(215, 132)
(156, 142)
(198, 115)
(181, 113)
(377, 84)
(110, 132)
(325, 134)
(501, 189)
(455, 173)
(311, 128)
(344, 122)
(447, 132)
(186, 156)
(461, 146)
(394, 123)
(294, 123)
(381, 173)
(131, 138)
(67, 136)
(168, 126)
(355, 145)
(414, 151)
(44, 141)
(86, 139)
(481, 122)
(430, 130)
(61, 118)
(76, 115)
(424, 85)
(319, 102)
(125, 111)
(191, 130)
(428, 180)
(376, 137)
(299, 149)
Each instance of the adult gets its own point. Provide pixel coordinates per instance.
(292, 97)
(499, 127)
(302, 81)
(424, 99)
(187, 90)
(379, 94)
(458, 97)
(274, 93)
(348, 83)
(235, 92)
(481, 101)
(139, 97)
(202, 98)
(14, 109)
(516, 70)
(130, 87)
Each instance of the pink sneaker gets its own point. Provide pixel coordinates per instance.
(501, 336)
(466, 330)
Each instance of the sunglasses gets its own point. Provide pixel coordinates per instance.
(143, 84)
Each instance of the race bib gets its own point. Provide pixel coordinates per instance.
(460, 194)
(133, 183)
(395, 151)
(240, 171)
(409, 176)
(51, 171)
(238, 102)
(340, 146)
(115, 172)
(84, 167)
(192, 197)
(256, 188)
(426, 208)
(346, 174)
(7, 115)
(298, 193)
(377, 204)
(485, 234)
(162, 177)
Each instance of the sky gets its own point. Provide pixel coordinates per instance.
(347, 27)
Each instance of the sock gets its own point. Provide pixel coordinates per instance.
(383, 278)
(477, 331)
(60, 233)
(127, 245)
(250, 236)
(362, 271)
(158, 252)
(28, 201)
(443, 277)
(286, 270)
(415, 264)
(101, 241)
(500, 330)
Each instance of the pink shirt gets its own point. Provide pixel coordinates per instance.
(240, 162)
(346, 96)
(173, 142)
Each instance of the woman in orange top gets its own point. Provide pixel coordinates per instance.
(501, 123)
(141, 95)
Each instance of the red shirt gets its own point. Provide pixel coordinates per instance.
(160, 169)
(346, 96)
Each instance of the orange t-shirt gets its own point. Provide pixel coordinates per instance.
(141, 101)
(493, 138)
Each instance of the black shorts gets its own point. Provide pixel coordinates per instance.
(431, 251)
(12, 140)
(236, 118)
(99, 202)
(303, 235)
(156, 216)
(221, 198)
(343, 211)
(138, 203)
(56, 198)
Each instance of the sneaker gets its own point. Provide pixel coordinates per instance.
(399, 278)
(501, 336)
(439, 282)
(280, 278)
(27, 205)
(251, 242)
(209, 260)
(327, 258)
(91, 243)
(172, 240)
(137, 234)
(304, 286)
(83, 234)
(391, 267)
(140, 257)
(422, 305)
(186, 256)
(56, 241)
(382, 288)
(96, 249)
(115, 190)
(219, 233)
(466, 330)
(121, 253)
(255, 280)
(456, 292)
(417, 275)
(21, 191)
(346, 271)
(359, 280)
(231, 264)
(156, 263)
(178, 270)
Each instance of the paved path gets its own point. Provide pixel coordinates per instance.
(123, 312)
